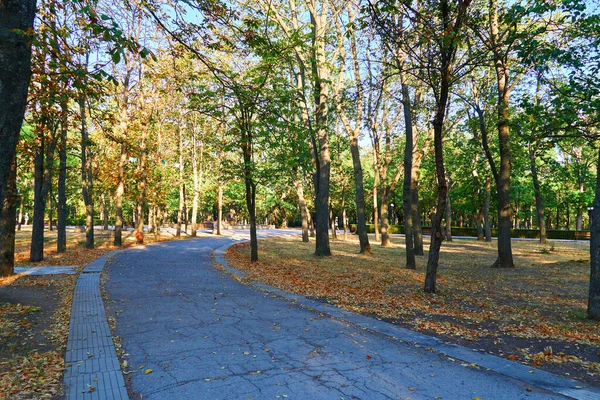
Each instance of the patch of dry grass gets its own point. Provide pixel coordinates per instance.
(543, 299)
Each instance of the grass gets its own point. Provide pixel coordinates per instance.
(534, 313)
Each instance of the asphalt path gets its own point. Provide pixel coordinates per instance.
(190, 331)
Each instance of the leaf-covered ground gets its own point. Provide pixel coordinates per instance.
(534, 313)
(35, 313)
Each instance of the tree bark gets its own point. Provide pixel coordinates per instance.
(87, 188)
(320, 73)
(15, 72)
(406, 192)
(141, 203)
(593, 310)
(196, 197)
(219, 208)
(303, 209)
(61, 239)
(486, 210)
(7, 224)
(43, 163)
(181, 186)
(448, 216)
(539, 200)
(361, 223)
(118, 239)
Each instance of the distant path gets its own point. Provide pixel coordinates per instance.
(206, 336)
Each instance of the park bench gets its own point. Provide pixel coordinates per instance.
(582, 235)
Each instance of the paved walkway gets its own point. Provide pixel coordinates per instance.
(46, 270)
(191, 332)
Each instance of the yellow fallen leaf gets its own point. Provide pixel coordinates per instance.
(146, 372)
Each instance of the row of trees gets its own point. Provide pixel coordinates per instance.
(470, 105)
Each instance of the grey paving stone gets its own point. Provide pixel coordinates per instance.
(47, 270)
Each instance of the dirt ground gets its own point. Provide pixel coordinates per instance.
(534, 313)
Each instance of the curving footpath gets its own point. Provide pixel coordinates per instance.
(192, 332)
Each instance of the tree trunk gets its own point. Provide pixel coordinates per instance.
(61, 239)
(593, 310)
(486, 210)
(361, 223)
(20, 217)
(15, 52)
(377, 212)
(141, 204)
(118, 239)
(406, 192)
(417, 225)
(250, 187)
(220, 209)
(196, 197)
(181, 187)
(384, 210)
(303, 209)
(448, 216)
(50, 210)
(43, 163)
(478, 217)
(321, 76)
(87, 188)
(7, 224)
(539, 200)
(105, 207)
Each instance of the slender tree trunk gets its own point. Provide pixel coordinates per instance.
(384, 210)
(43, 163)
(105, 207)
(220, 209)
(375, 209)
(448, 216)
(50, 210)
(593, 310)
(15, 52)
(61, 240)
(406, 193)
(579, 218)
(196, 197)
(7, 224)
(361, 226)
(539, 200)
(141, 204)
(118, 239)
(247, 144)
(181, 187)
(321, 76)
(486, 210)
(20, 218)
(416, 215)
(87, 187)
(303, 209)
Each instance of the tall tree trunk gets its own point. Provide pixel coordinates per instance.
(50, 210)
(593, 310)
(20, 217)
(448, 216)
(15, 70)
(61, 239)
(247, 150)
(406, 192)
(416, 215)
(43, 163)
(539, 200)
(486, 210)
(196, 197)
(376, 211)
(447, 53)
(384, 209)
(579, 218)
(505, 257)
(87, 188)
(141, 203)
(321, 76)
(105, 206)
(181, 187)
(7, 224)
(303, 209)
(361, 225)
(118, 239)
(220, 209)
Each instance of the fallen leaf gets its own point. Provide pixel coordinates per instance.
(148, 371)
